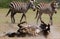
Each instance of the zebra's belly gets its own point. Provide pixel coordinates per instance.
(47, 11)
(19, 11)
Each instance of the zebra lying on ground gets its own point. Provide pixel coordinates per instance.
(29, 30)
(46, 8)
(34, 30)
(20, 7)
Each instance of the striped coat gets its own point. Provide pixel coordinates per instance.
(44, 8)
(20, 7)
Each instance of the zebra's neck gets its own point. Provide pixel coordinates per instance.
(52, 5)
(28, 5)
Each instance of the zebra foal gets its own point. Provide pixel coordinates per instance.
(20, 7)
(44, 8)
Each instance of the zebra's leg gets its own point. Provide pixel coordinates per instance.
(12, 17)
(38, 19)
(8, 12)
(36, 14)
(51, 20)
(25, 18)
(22, 17)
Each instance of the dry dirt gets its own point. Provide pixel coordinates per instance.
(7, 26)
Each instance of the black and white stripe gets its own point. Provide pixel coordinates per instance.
(46, 8)
(19, 7)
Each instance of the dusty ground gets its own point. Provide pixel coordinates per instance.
(7, 26)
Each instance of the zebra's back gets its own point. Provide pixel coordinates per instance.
(45, 8)
(18, 6)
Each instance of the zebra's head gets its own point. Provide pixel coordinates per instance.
(54, 4)
(32, 5)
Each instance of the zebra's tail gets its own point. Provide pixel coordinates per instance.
(10, 6)
(8, 12)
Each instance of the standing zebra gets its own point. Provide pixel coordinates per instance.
(20, 7)
(44, 8)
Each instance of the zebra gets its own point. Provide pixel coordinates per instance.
(46, 8)
(20, 7)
